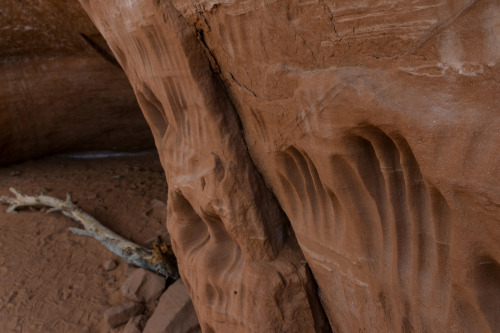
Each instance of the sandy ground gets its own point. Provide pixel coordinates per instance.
(52, 280)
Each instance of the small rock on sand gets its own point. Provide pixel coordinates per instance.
(143, 286)
(109, 265)
(118, 315)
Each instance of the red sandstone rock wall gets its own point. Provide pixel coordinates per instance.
(376, 126)
(59, 89)
(236, 253)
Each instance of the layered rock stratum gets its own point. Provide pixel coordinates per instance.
(332, 165)
(60, 87)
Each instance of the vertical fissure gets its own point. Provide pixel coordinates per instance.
(322, 323)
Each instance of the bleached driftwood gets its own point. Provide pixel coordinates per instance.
(155, 260)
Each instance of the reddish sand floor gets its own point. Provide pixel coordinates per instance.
(52, 280)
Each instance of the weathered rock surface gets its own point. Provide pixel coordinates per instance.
(230, 236)
(59, 89)
(143, 286)
(376, 126)
(174, 313)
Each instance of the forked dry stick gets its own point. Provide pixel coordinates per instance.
(153, 260)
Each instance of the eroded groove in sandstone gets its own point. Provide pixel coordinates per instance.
(399, 231)
(153, 111)
(488, 279)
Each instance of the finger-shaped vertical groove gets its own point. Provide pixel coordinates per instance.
(153, 111)
(376, 203)
(488, 293)
(299, 176)
(206, 244)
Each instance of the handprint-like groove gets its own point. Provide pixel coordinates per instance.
(373, 210)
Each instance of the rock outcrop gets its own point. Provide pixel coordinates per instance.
(60, 88)
(374, 124)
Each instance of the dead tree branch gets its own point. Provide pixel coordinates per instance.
(154, 260)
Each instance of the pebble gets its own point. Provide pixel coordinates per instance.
(109, 265)
(158, 203)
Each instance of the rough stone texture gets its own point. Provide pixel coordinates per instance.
(230, 236)
(120, 314)
(135, 324)
(57, 91)
(143, 286)
(376, 125)
(175, 312)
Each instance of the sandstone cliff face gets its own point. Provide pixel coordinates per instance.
(59, 89)
(235, 251)
(375, 125)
